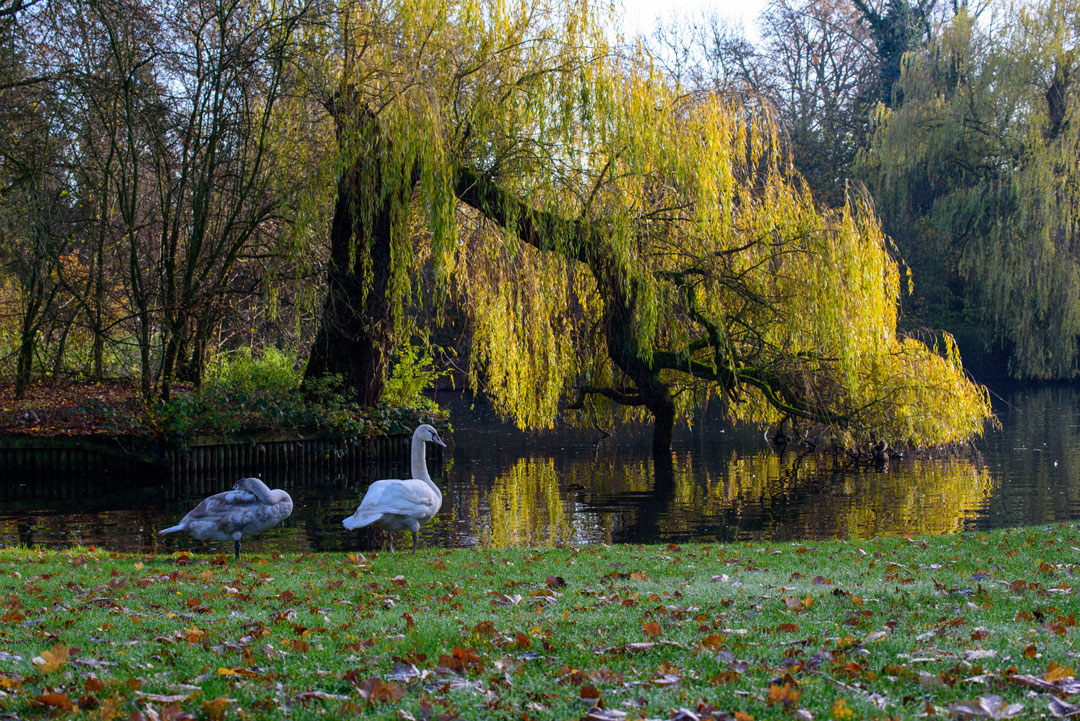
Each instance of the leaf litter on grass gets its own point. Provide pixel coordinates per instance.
(966, 626)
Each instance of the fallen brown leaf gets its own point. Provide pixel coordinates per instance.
(52, 660)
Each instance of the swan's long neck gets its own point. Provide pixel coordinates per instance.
(257, 488)
(419, 463)
(282, 500)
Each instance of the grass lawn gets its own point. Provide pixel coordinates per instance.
(970, 626)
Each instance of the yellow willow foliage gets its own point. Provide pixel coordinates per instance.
(703, 191)
(991, 185)
(694, 217)
(420, 87)
(523, 327)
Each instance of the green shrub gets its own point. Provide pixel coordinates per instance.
(246, 392)
(413, 373)
(273, 372)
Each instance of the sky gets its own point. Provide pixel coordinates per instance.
(640, 15)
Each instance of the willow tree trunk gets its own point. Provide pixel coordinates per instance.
(356, 331)
(626, 353)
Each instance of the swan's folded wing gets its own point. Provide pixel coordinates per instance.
(397, 497)
(221, 503)
(231, 508)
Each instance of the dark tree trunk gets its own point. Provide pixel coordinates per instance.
(655, 394)
(356, 331)
(30, 323)
(171, 355)
(58, 356)
(24, 365)
(191, 364)
(625, 352)
(663, 427)
(146, 371)
(1057, 101)
(97, 316)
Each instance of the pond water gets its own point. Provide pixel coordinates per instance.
(503, 487)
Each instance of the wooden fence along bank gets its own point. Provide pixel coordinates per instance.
(60, 466)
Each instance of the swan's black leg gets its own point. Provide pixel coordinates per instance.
(236, 548)
(390, 540)
(414, 541)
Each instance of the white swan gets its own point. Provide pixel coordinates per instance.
(393, 504)
(250, 507)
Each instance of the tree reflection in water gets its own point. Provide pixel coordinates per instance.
(503, 487)
(678, 498)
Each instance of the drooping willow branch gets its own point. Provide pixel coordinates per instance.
(729, 372)
(622, 396)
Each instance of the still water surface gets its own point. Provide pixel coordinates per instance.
(503, 487)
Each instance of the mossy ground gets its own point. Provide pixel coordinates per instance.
(891, 627)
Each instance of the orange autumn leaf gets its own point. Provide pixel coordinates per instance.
(794, 603)
(786, 696)
(51, 660)
(173, 712)
(1055, 672)
(57, 700)
(652, 629)
(239, 671)
(193, 634)
(725, 677)
(13, 615)
(462, 659)
(215, 709)
(787, 628)
(713, 642)
(375, 690)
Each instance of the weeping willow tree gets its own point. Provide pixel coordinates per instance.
(620, 248)
(986, 203)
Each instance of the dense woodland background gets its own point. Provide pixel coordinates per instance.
(622, 228)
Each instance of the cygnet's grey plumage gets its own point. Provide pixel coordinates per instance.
(249, 508)
(393, 504)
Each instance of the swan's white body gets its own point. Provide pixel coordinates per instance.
(249, 508)
(393, 504)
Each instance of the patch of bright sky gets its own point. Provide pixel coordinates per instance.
(641, 16)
